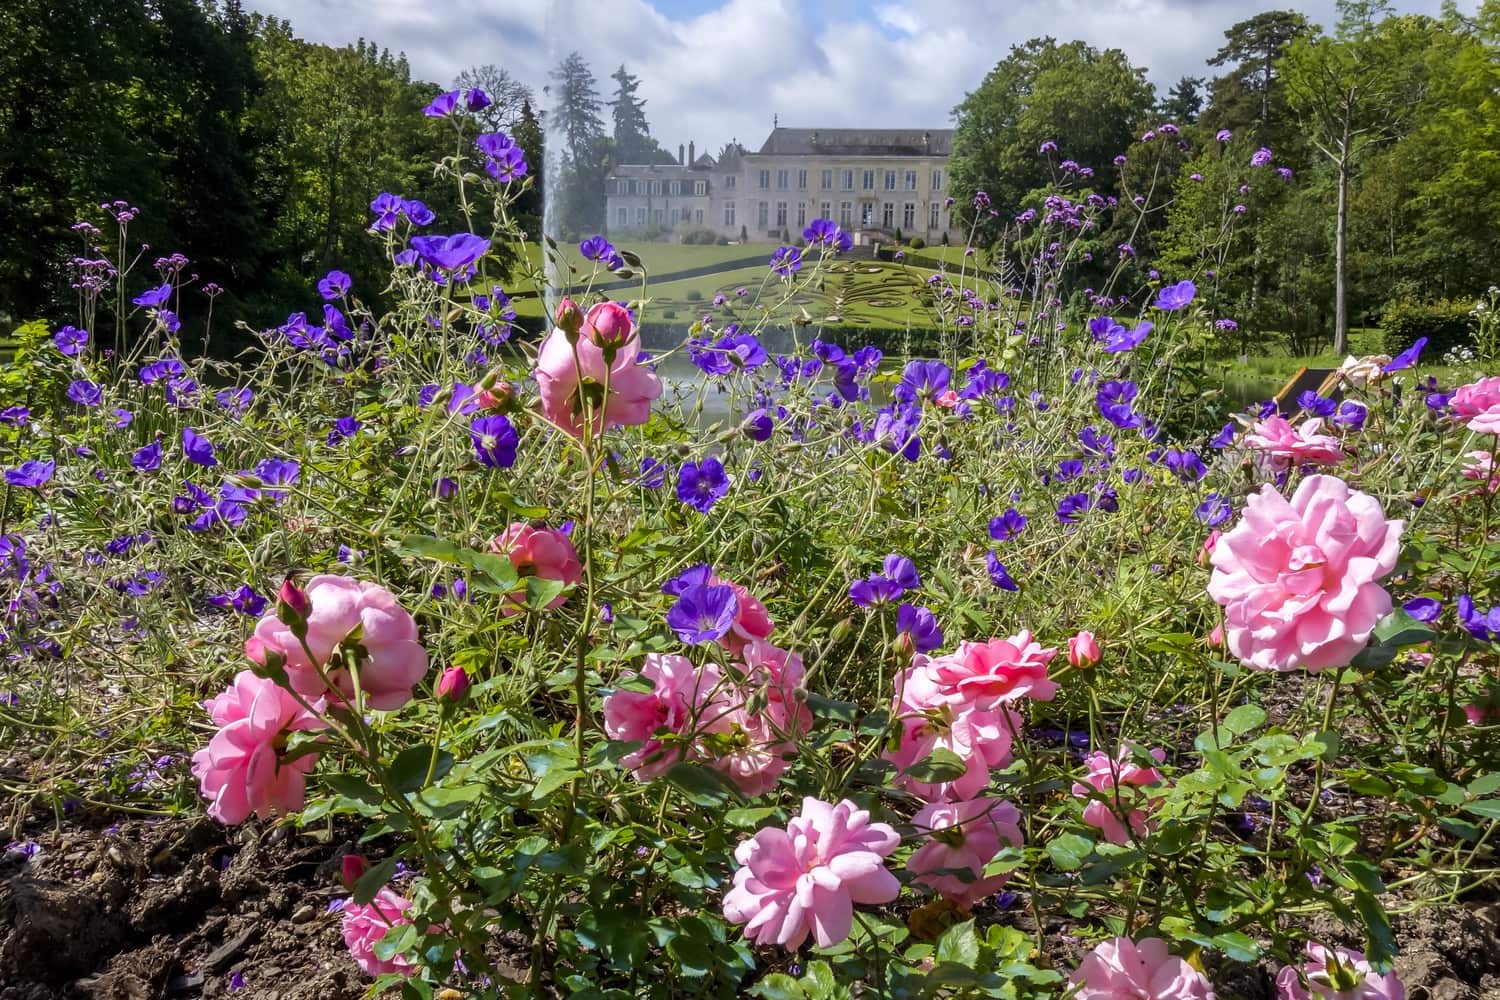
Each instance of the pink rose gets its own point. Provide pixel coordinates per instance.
(566, 380)
(1283, 447)
(1481, 465)
(980, 738)
(241, 771)
(806, 878)
(1340, 974)
(545, 553)
(393, 661)
(1122, 969)
(652, 718)
(966, 836)
(1298, 579)
(751, 621)
(1207, 551)
(747, 748)
(984, 674)
(780, 672)
(1477, 405)
(1120, 782)
(365, 925)
(608, 324)
(1083, 650)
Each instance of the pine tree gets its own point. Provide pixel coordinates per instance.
(632, 132)
(576, 110)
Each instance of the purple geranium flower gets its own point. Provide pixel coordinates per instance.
(825, 232)
(1008, 525)
(653, 473)
(786, 261)
(703, 613)
(923, 380)
(507, 165)
(334, 285)
(147, 458)
(198, 449)
(495, 441)
(244, 600)
(1071, 507)
(758, 425)
(701, 485)
(1316, 405)
(1174, 297)
(1214, 510)
(999, 575)
(442, 105)
(475, 99)
(33, 473)
(920, 626)
(1482, 626)
(874, 591)
(1351, 414)
(154, 298)
(1406, 358)
(1424, 609)
(450, 253)
(85, 393)
(71, 341)
(597, 248)
(902, 570)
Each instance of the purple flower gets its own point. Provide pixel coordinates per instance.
(450, 253)
(442, 105)
(758, 425)
(495, 441)
(244, 600)
(1260, 157)
(277, 472)
(1071, 507)
(875, 590)
(1008, 525)
(147, 458)
(418, 213)
(343, 427)
(1406, 358)
(1484, 627)
(786, 261)
(1214, 510)
(237, 979)
(903, 571)
(198, 449)
(1351, 414)
(85, 393)
(476, 99)
(33, 473)
(335, 285)
(1115, 337)
(697, 573)
(742, 350)
(923, 380)
(826, 233)
(999, 575)
(597, 248)
(919, 625)
(1224, 135)
(1424, 609)
(653, 473)
(15, 416)
(1114, 399)
(71, 341)
(1174, 297)
(507, 165)
(154, 298)
(235, 400)
(703, 613)
(702, 485)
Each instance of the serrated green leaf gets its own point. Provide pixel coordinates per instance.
(1244, 719)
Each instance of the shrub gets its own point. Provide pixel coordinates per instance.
(917, 243)
(1446, 325)
(693, 295)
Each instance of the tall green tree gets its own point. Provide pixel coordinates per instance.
(632, 131)
(1087, 100)
(1250, 92)
(508, 96)
(1353, 92)
(1184, 100)
(580, 144)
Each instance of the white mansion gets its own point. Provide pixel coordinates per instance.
(872, 182)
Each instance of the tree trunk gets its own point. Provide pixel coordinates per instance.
(1340, 261)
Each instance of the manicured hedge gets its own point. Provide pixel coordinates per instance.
(1446, 324)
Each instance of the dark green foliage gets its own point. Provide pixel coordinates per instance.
(1445, 324)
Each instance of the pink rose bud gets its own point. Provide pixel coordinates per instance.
(498, 397)
(1207, 551)
(453, 684)
(294, 599)
(1216, 637)
(352, 867)
(608, 324)
(1083, 650)
(569, 317)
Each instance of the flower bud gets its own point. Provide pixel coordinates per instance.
(609, 325)
(293, 606)
(569, 317)
(1206, 552)
(1216, 637)
(351, 868)
(453, 685)
(1083, 650)
(500, 397)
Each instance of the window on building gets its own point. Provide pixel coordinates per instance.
(932, 217)
(802, 180)
(676, 216)
(729, 180)
(700, 187)
(846, 213)
(781, 179)
(698, 216)
(729, 213)
(765, 179)
(888, 216)
(801, 214)
(890, 180)
(657, 216)
(937, 180)
(825, 210)
(827, 180)
(763, 214)
(848, 180)
(869, 180)
(909, 216)
(781, 213)
(622, 217)
(911, 180)
(640, 216)
(867, 214)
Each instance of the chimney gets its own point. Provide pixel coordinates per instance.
(679, 154)
(692, 153)
(927, 141)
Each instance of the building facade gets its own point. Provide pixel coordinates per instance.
(874, 183)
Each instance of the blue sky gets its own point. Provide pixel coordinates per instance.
(715, 70)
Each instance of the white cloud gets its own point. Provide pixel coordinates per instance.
(723, 74)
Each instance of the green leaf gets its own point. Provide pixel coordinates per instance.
(827, 708)
(748, 818)
(1485, 784)
(427, 547)
(1399, 629)
(408, 772)
(352, 786)
(939, 766)
(1488, 808)
(778, 986)
(1068, 851)
(1244, 719)
(396, 941)
(373, 880)
(1366, 873)
(540, 592)
(699, 785)
(694, 956)
(1380, 942)
(959, 944)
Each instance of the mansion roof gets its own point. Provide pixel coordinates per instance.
(858, 142)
